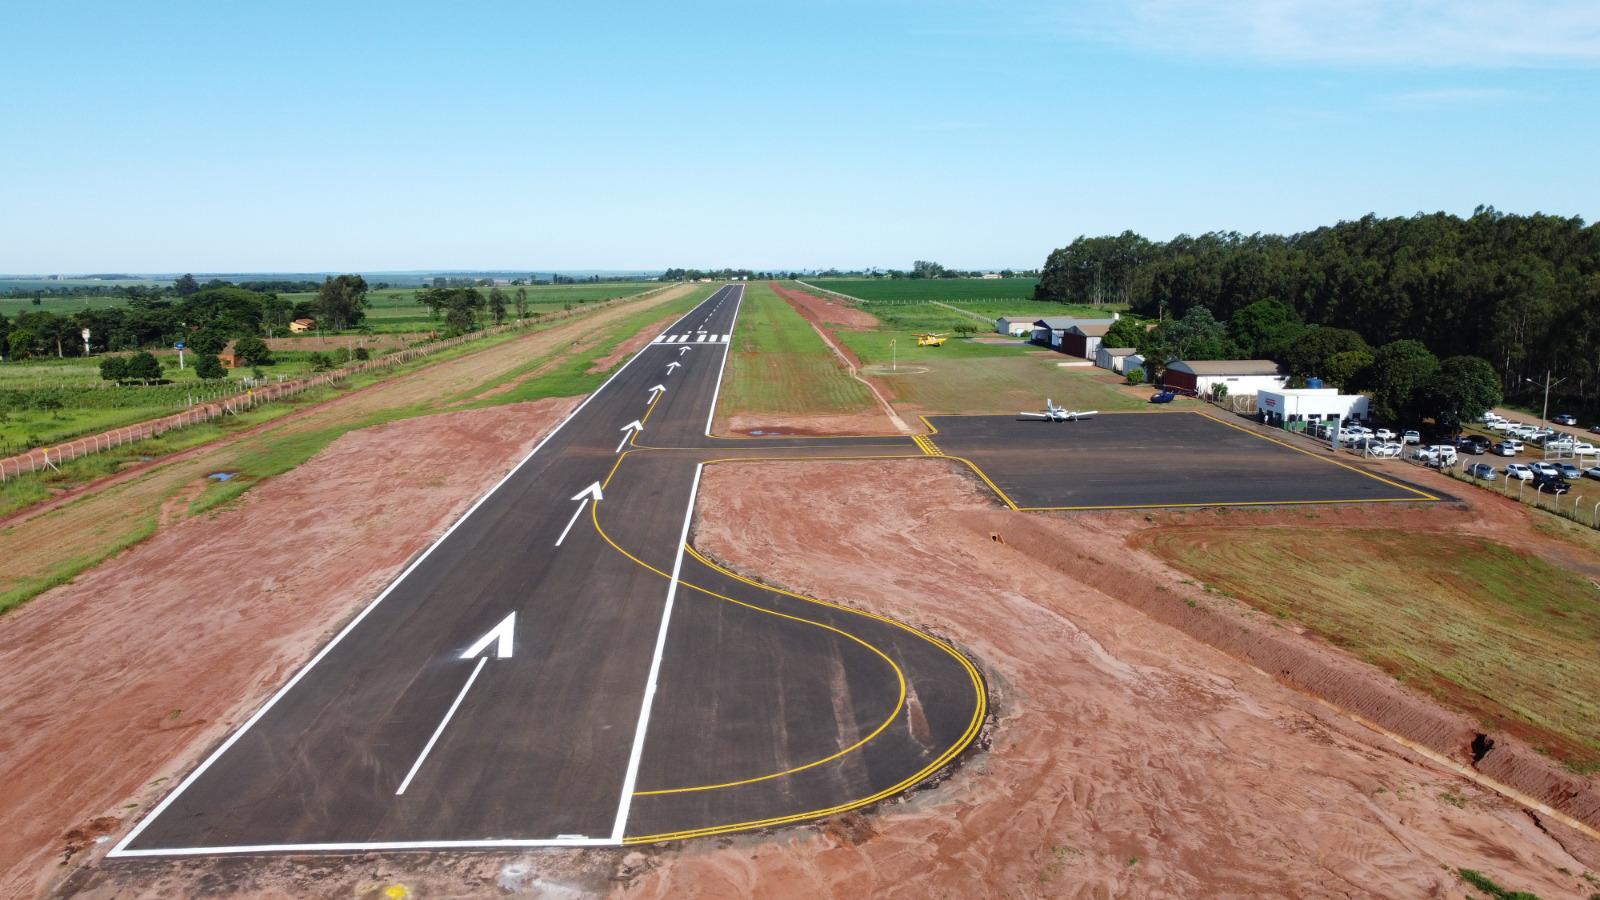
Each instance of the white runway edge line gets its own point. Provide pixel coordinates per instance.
(121, 849)
(727, 348)
(634, 757)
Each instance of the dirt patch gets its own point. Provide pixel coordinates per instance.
(633, 345)
(118, 682)
(1130, 758)
(861, 423)
(384, 341)
(825, 311)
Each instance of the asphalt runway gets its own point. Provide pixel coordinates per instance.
(1131, 460)
(561, 669)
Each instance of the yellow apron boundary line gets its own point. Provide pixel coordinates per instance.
(980, 708)
(1333, 462)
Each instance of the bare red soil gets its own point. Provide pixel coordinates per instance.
(119, 681)
(1130, 758)
(825, 311)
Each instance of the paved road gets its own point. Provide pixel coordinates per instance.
(561, 669)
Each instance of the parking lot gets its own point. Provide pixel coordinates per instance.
(1132, 460)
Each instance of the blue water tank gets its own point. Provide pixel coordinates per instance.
(1313, 382)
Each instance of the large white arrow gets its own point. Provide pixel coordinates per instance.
(683, 350)
(657, 391)
(592, 492)
(628, 431)
(500, 637)
(672, 365)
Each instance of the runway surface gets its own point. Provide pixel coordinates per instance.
(561, 669)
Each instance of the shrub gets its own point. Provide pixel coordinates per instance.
(363, 354)
(142, 366)
(252, 351)
(114, 368)
(319, 361)
(209, 368)
(1135, 376)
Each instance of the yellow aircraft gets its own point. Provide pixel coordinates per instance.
(928, 339)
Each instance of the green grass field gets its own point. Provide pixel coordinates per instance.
(967, 376)
(1499, 634)
(950, 290)
(779, 366)
(397, 310)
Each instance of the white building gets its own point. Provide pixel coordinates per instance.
(1239, 376)
(1284, 406)
(1114, 358)
(1016, 326)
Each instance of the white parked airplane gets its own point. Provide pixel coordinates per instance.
(1054, 413)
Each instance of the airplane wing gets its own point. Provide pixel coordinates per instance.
(1084, 414)
(1034, 415)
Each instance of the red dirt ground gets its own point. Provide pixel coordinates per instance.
(634, 344)
(1130, 758)
(117, 682)
(828, 312)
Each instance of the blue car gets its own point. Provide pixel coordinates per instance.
(1162, 397)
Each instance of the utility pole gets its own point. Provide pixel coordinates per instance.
(1544, 416)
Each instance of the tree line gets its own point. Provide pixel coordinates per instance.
(1520, 291)
(205, 317)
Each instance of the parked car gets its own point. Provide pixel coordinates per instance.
(1565, 419)
(1384, 434)
(1569, 471)
(1443, 454)
(1516, 445)
(1504, 448)
(1411, 437)
(1482, 472)
(1475, 444)
(1544, 468)
(1583, 449)
(1501, 426)
(1594, 429)
(1592, 472)
(1551, 484)
(1519, 470)
(1386, 450)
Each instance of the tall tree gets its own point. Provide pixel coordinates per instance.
(185, 285)
(1400, 369)
(1464, 388)
(341, 302)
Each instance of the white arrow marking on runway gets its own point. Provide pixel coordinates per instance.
(592, 492)
(500, 636)
(683, 350)
(630, 429)
(657, 391)
(673, 365)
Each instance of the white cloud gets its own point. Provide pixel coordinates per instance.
(1425, 33)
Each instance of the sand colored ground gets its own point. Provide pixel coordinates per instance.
(1130, 759)
(117, 683)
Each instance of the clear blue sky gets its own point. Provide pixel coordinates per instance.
(290, 136)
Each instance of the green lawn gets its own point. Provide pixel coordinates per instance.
(778, 365)
(950, 290)
(1497, 633)
(397, 310)
(967, 376)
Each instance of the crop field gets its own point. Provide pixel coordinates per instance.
(778, 364)
(1499, 634)
(397, 310)
(45, 402)
(950, 290)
